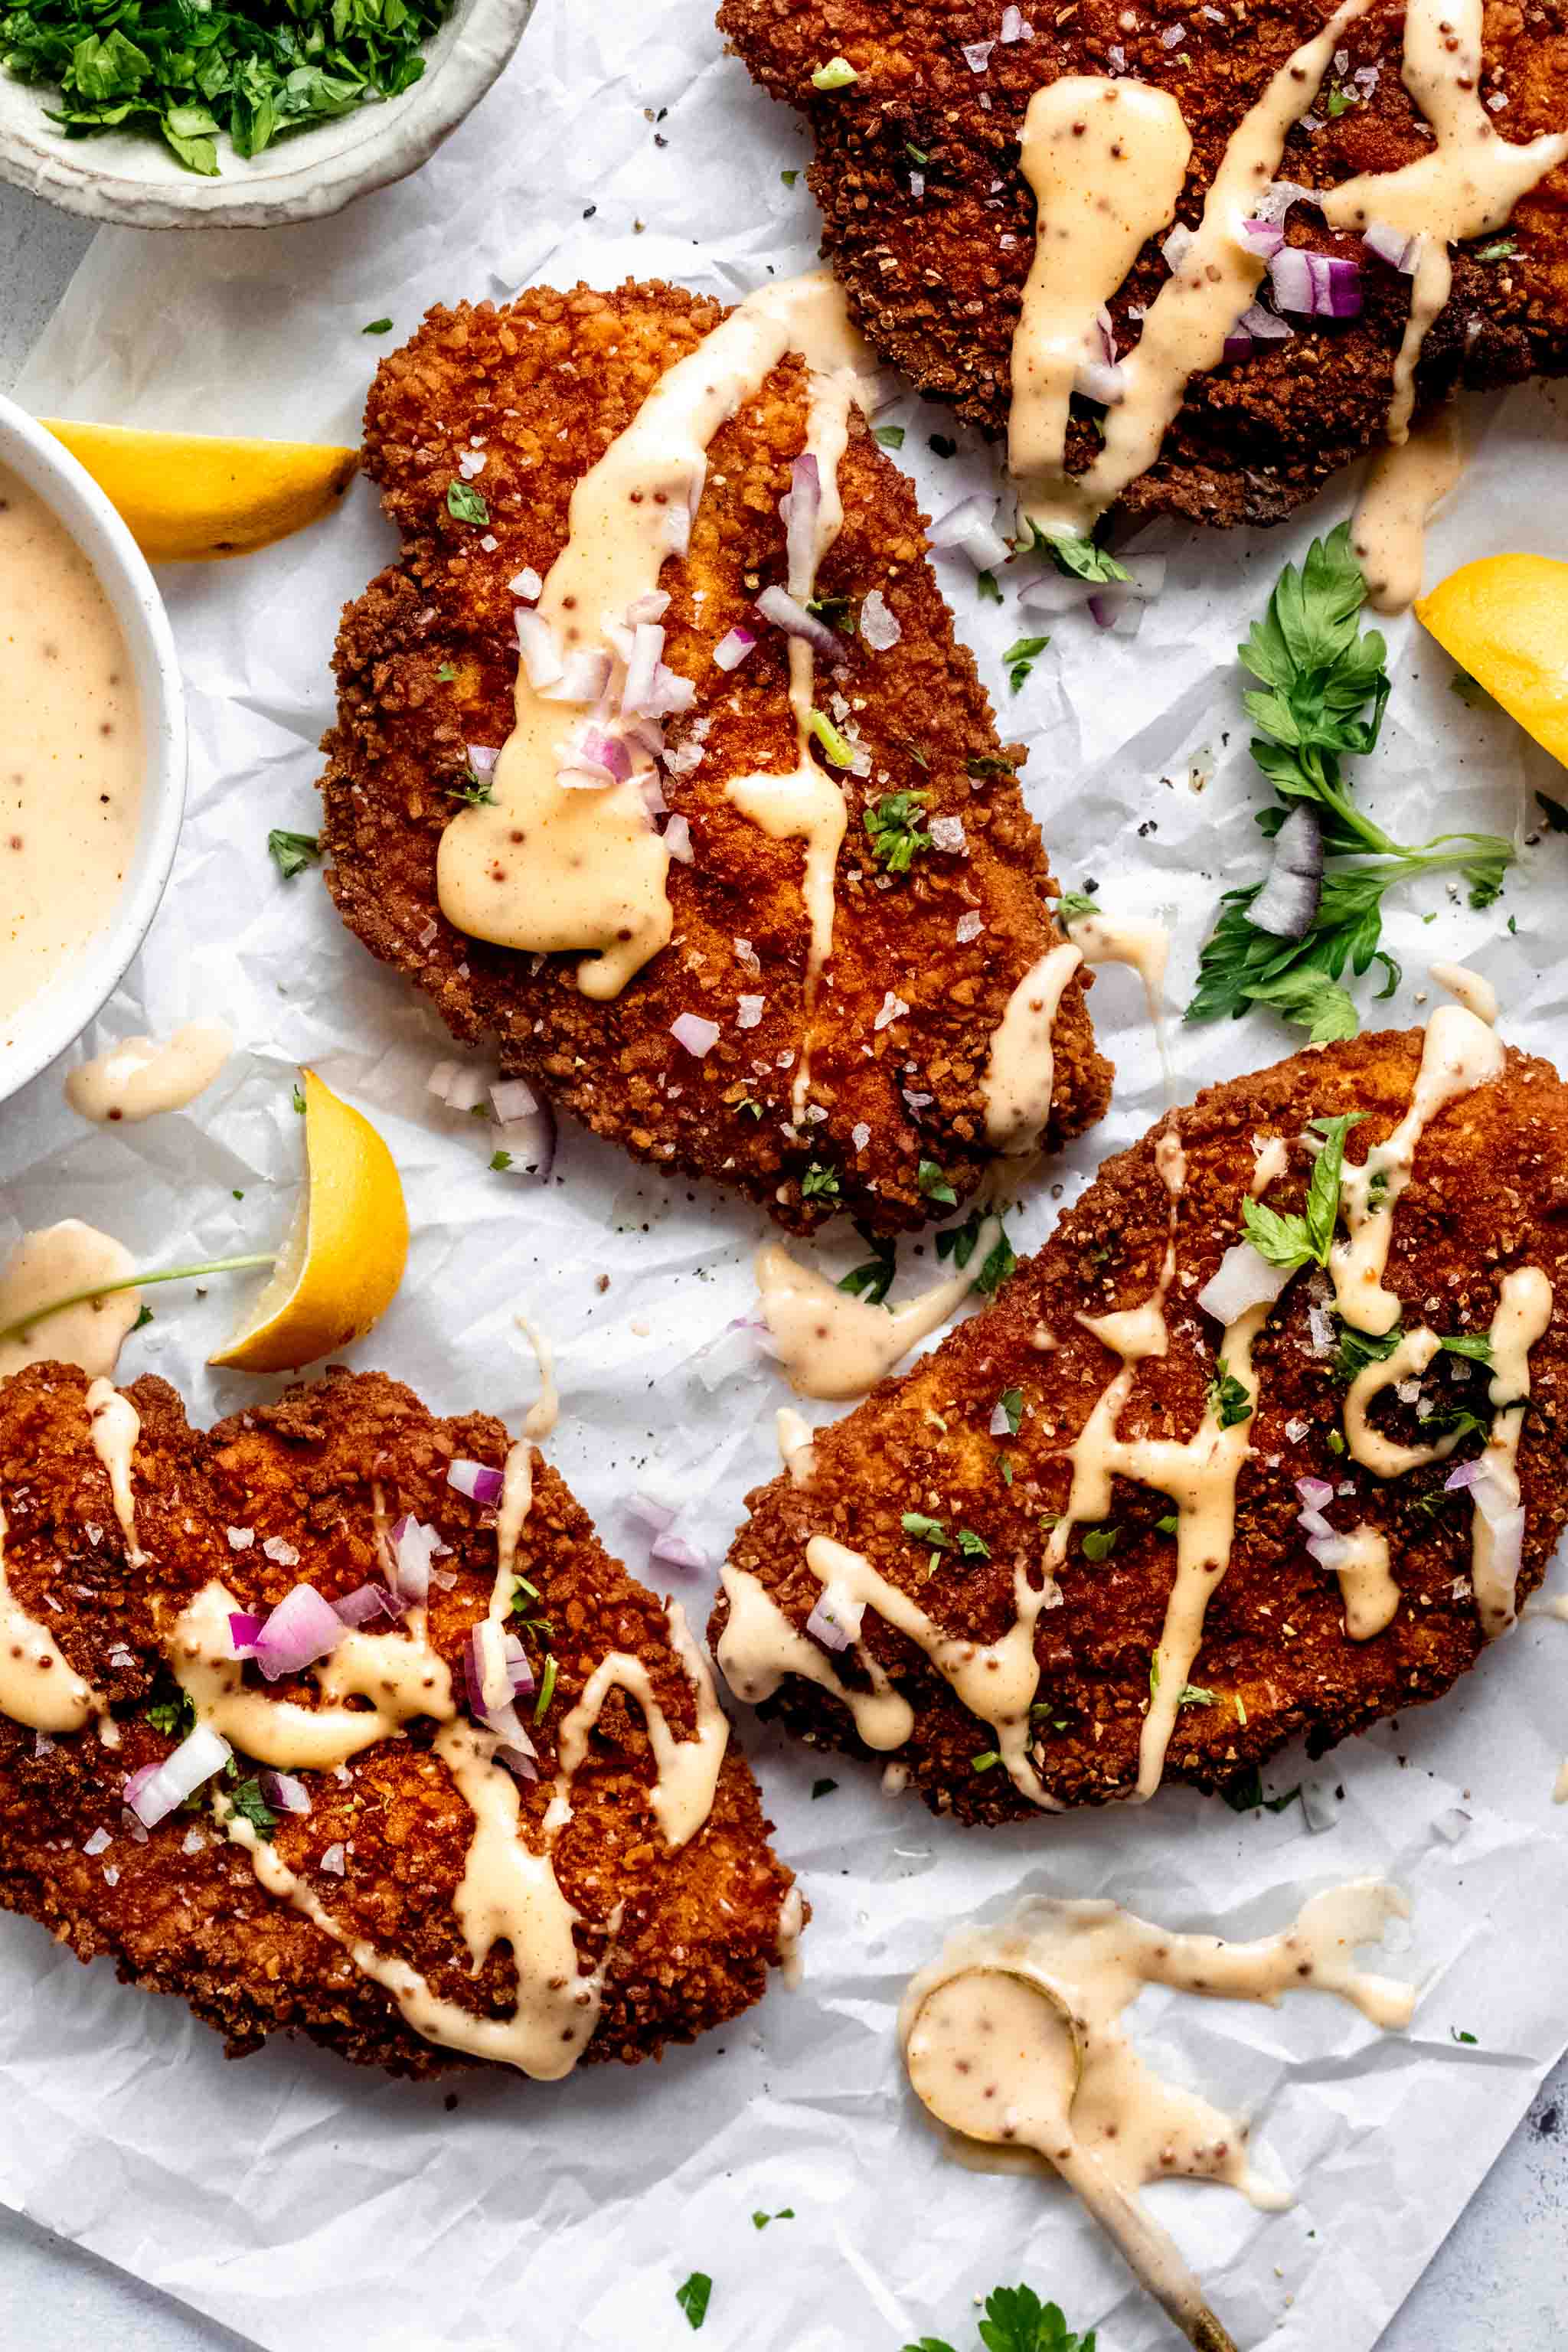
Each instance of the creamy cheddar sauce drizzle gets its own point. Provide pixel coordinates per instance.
(72, 777)
(548, 868)
(139, 1079)
(509, 1892)
(57, 1262)
(1014, 2038)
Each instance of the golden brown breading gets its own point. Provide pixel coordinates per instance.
(184, 1913)
(1488, 1193)
(936, 280)
(546, 384)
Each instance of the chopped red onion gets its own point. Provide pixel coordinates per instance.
(331, 1862)
(1264, 326)
(651, 607)
(154, 1792)
(972, 525)
(243, 1627)
(732, 650)
(1330, 1551)
(647, 646)
(358, 1607)
(413, 1548)
(536, 643)
(777, 605)
(301, 1629)
(1286, 906)
(676, 528)
(282, 1791)
(1241, 1281)
(1172, 37)
(749, 1011)
(532, 1141)
(1464, 1476)
(527, 584)
(1315, 285)
(1054, 592)
(835, 1620)
(678, 839)
(802, 511)
(650, 1513)
(459, 1087)
(1315, 1523)
(523, 1766)
(1262, 237)
(514, 1098)
(676, 1552)
(596, 749)
(1392, 244)
(670, 692)
(1177, 246)
(482, 758)
(1112, 608)
(653, 797)
(480, 1483)
(697, 1034)
(1100, 380)
(1316, 1493)
(1015, 25)
(977, 55)
(880, 624)
(1273, 202)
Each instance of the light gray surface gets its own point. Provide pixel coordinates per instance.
(1498, 2281)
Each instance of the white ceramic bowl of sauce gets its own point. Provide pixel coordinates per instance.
(89, 821)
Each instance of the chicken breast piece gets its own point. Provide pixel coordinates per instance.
(961, 1520)
(406, 1832)
(928, 944)
(935, 266)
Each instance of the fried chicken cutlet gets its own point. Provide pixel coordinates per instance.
(939, 894)
(929, 223)
(380, 1915)
(1032, 1516)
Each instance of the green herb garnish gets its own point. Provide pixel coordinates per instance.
(500, 1163)
(822, 1788)
(1098, 1543)
(891, 436)
(291, 852)
(1231, 1402)
(986, 1758)
(1080, 559)
(377, 327)
(1283, 1238)
(819, 1183)
(837, 74)
(894, 829)
(960, 1244)
(1501, 249)
(839, 750)
(546, 1690)
(1017, 2321)
(474, 791)
(988, 587)
(1011, 1404)
(933, 1183)
(784, 2213)
(693, 2297)
(465, 503)
(926, 1530)
(248, 1802)
(1019, 658)
(1317, 676)
(1246, 1795)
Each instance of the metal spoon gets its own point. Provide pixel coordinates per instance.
(1039, 2116)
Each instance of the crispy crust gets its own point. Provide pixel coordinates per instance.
(1488, 1192)
(546, 384)
(937, 282)
(700, 1927)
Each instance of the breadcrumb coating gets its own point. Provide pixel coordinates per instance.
(184, 1913)
(426, 661)
(935, 280)
(1488, 1193)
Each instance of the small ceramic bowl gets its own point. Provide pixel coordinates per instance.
(48, 1023)
(135, 179)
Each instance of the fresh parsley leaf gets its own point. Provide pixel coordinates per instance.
(175, 1714)
(1019, 658)
(784, 2213)
(933, 1183)
(1080, 559)
(1501, 249)
(891, 436)
(1004, 1468)
(291, 852)
(248, 1802)
(837, 74)
(298, 1100)
(960, 1244)
(1475, 1344)
(1169, 1524)
(1074, 903)
(1017, 2321)
(1320, 694)
(1000, 1261)
(1228, 1397)
(1011, 1403)
(986, 1759)
(474, 791)
(693, 2296)
(1246, 1795)
(988, 587)
(1338, 103)
(377, 327)
(926, 1530)
(822, 1788)
(448, 674)
(1098, 1543)
(789, 178)
(1282, 1237)
(972, 1546)
(1458, 2033)
(143, 1319)
(893, 827)
(873, 1280)
(819, 1183)
(500, 1163)
(464, 502)
(1357, 1349)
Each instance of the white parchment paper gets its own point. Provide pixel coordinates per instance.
(300, 2204)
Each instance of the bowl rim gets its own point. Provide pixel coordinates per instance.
(47, 1024)
(392, 138)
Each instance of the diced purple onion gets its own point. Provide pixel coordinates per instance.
(527, 584)
(520, 1765)
(536, 643)
(678, 839)
(459, 1087)
(1330, 1551)
(1178, 243)
(1263, 325)
(676, 1552)
(647, 646)
(482, 758)
(331, 1862)
(670, 692)
(514, 1098)
(1464, 1476)
(650, 1513)
(244, 1626)
(697, 1034)
(777, 605)
(302, 1628)
(1100, 380)
(1286, 906)
(1272, 202)
(1263, 238)
(284, 1791)
(413, 1548)
(358, 1607)
(1241, 1281)
(1392, 244)
(1315, 285)
(596, 749)
(732, 650)
(972, 527)
(1116, 609)
(532, 1141)
(835, 1620)
(154, 1792)
(480, 1483)
(801, 513)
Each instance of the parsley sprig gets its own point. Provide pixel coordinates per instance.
(1321, 693)
(1017, 2321)
(1284, 1238)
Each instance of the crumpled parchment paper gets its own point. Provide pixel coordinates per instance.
(299, 2202)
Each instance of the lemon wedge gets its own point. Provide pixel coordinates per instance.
(339, 1269)
(1504, 618)
(189, 497)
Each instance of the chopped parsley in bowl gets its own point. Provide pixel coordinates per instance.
(191, 73)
